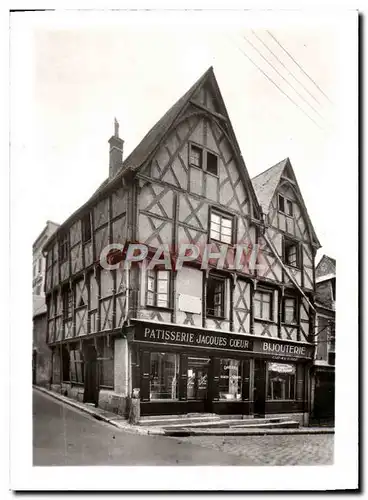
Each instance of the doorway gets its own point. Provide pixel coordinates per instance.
(91, 372)
(259, 391)
(197, 382)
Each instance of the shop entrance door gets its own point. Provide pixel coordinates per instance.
(91, 378)
(259, 391)
(197, 383)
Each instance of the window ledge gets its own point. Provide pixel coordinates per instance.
(297, 268)
(294, 325)
(161, 308)
(220, 318)
(216, 176)
(266, 321)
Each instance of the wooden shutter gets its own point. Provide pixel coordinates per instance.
(214, 383)
(183, 377)
(145, 375)
(246, 380)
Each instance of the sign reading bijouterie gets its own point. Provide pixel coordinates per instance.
(280, 350)
(177, 335)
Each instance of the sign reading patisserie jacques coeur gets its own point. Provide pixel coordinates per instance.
(148, 332)
(179, 335)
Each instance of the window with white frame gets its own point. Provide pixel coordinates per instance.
(262, 304)
(221, 227)
(158, 288)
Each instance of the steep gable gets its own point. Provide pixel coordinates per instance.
(281, 179)
(326, 267)
(204, 97)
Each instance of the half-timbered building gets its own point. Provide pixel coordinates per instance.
(222, 339)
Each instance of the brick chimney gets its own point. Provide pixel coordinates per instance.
(116, 151)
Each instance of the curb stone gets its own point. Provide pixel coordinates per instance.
(98, 414)
(94, 412)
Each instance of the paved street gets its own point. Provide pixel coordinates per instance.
(65, 436)
(273, 449)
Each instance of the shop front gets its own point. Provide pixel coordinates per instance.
(182, 369)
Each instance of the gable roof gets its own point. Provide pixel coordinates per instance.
(326, 267)
(152, 140)
(266, 183)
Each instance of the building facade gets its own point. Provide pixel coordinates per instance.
(41, 353)
(323, 375)
(223, 339)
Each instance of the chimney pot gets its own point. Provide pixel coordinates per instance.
(116, 151)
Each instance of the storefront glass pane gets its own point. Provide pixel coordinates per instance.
(230, 384)
(164, 376)
(281, 381)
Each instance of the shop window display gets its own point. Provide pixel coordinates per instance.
(164, 376)
(281, 381)
(230, 384)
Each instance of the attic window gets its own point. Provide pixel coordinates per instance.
(211, 163)
(285, 206)
(289, 207)
(195, 157)
(281, 203)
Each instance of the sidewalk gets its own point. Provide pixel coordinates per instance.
(122, 423)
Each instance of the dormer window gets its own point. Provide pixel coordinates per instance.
(286, 206)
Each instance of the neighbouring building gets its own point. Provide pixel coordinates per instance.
(225, 340)
(41, 357)
(323, 380)
(39, 260)
(41, 353)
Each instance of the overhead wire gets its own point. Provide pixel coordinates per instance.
(299, 66)
(277, 71)
(275, 84)
(286, 68)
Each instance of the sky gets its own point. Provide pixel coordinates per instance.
(83, 72)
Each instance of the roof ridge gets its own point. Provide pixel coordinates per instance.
(269, 168)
